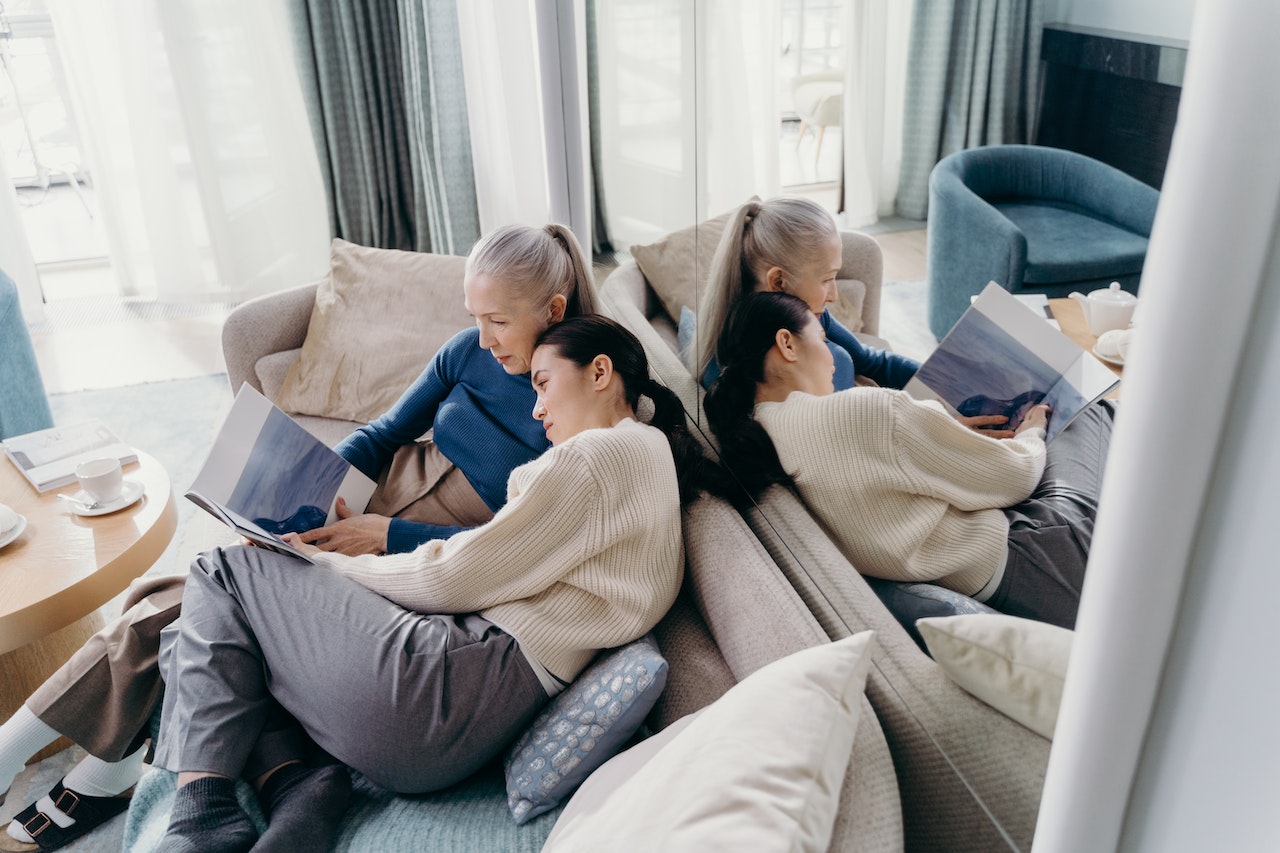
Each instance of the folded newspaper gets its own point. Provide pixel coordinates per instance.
(48, 457)
(1001, 359)
(266, 476)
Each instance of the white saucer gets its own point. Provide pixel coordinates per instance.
(1109, 359)
(13, 532)
(128, 496)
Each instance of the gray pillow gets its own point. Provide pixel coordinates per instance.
(583, 727)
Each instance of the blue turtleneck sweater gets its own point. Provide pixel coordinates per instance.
(483, 422)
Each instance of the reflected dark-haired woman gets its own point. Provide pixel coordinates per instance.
(906, 492)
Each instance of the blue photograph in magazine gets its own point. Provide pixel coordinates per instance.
(272, 490)
(979, 369)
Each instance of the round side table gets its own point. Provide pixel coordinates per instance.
(63, 567)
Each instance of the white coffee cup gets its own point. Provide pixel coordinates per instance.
(101, 479)
(8, 519)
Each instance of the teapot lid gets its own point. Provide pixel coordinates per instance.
(1113, 294)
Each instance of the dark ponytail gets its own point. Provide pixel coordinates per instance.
(746, 450)
(581, 339)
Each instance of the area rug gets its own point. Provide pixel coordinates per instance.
(904, 318)
(175, 422)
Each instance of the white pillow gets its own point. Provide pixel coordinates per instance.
(1016, 666)
(758, 769)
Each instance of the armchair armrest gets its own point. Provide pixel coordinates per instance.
(267, 324)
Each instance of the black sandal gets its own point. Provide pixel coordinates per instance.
(88, 812)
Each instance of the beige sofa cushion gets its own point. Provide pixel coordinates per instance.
(379, 316)
(1017, 666)
(679, 263)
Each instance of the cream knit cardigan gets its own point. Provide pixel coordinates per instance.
(904, 490)
(585, 555)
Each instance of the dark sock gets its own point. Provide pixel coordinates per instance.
(207, 818)
(304, 806)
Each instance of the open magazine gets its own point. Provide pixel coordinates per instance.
(266, 476)
(1001, 359)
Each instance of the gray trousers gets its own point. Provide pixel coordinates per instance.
(103, 698)
(1051, 531)
(415, 702)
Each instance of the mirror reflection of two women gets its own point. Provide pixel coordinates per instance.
(906, 491)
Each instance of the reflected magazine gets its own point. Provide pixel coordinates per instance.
(266, 476)
(1002, 359)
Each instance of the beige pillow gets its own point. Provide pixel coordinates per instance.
(678, 264)
(760, 768)
(1016, 666)
(379, 317)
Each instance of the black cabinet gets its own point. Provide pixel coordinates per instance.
(1113, 96)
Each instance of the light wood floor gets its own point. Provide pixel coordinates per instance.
(111, 353)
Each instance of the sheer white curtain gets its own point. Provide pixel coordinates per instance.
(738, 118)
(198, 145)
(876, 35)
(525, 70)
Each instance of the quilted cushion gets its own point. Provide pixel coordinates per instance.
(583, 727)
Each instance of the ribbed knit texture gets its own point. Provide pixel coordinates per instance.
(585, 555)
(903, 489)
(482, 419)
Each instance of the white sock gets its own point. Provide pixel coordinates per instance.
(97, 778)
(22, 736)
(92, 777)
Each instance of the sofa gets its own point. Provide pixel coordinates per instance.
(760, 587)
(1033, 219)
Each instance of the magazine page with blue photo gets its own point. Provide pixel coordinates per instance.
(266, 476)
(1002, 359)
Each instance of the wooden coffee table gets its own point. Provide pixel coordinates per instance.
(55, 576)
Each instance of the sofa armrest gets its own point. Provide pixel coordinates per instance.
(262, 326)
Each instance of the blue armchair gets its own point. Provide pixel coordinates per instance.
(1033, 219)
(23, 404)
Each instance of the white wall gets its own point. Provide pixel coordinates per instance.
(1160, 18)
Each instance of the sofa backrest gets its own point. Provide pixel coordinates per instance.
(756, 617)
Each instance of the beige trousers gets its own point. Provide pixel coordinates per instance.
(103, 697)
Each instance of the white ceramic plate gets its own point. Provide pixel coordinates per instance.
(13, 532)
(128, 496)
(1109, 359)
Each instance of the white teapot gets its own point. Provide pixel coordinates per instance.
(1107, 308)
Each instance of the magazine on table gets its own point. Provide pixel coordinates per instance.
(48, 457)
(1001, 359)
(267, 476)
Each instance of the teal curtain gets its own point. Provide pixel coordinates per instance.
(973, 78)
(384, 91)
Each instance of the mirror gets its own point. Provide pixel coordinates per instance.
(709, 107)
(676, 130)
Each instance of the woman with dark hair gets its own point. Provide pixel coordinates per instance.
(416, 669)
(906, 492)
